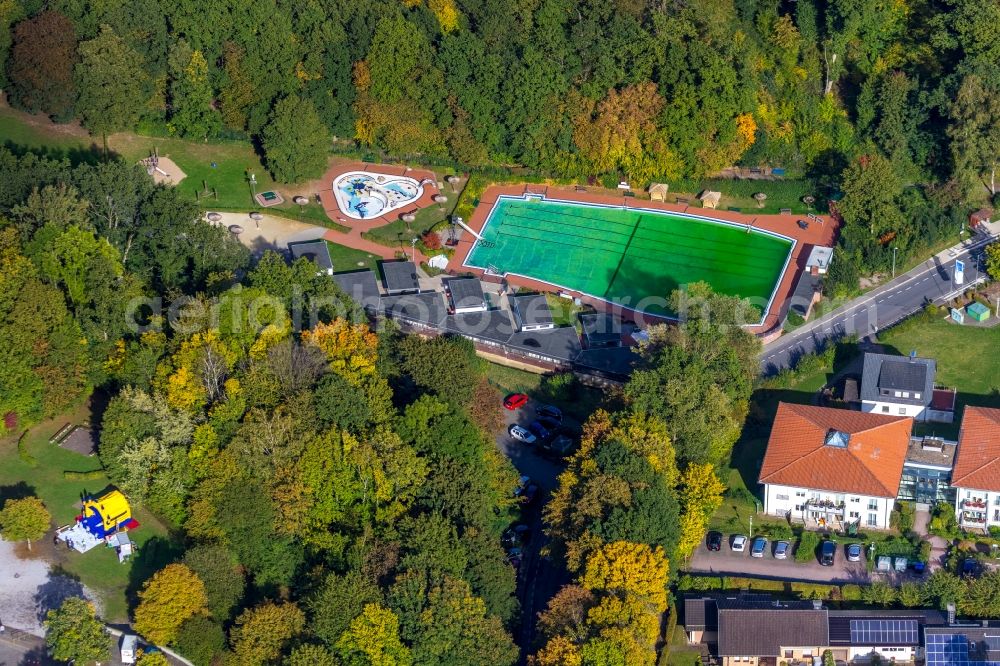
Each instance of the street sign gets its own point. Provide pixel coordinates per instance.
(958, 315)
(959, 272)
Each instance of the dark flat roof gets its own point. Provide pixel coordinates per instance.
(359, 285)
(700, 614)
(466, 292)
(897, 373)
(600, 328)
(426, 308)
(316, 251)
(493, 325)
(615, 360)
(400, 276)
(531, 309)
(805, 289)
(887, 626)
(561, 343)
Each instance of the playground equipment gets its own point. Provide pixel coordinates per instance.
(105, 519)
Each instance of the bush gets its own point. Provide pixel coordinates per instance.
(778, 531)
(903, 516)
(755, 584)
(806, 550)
(699, 583)
(431, 240)
(878, 594)
(943, 522)
(911, 595)
(850, 592)
(816, 590)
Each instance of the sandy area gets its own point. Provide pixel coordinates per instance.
(173, 172)
(28, 589)
(271, 232)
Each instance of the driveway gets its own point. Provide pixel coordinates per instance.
(728, 563)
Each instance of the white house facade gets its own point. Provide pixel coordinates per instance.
(897, 385)
(827, 508)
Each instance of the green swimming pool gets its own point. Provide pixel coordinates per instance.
(627, 255)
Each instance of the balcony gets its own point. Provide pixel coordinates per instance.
(973, 519)
(828, 507)
(974, 504)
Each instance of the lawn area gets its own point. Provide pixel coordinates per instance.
(59, 141)
(513, 380)
(564, 310)
(40, 472)
(346, 259)
(966, 358)
(398, 234)
(739, 194)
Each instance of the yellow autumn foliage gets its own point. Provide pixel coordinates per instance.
(352, 349)
(623, 567)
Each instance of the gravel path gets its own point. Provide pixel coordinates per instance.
(28, 589)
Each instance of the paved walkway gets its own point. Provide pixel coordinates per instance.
(939, 546)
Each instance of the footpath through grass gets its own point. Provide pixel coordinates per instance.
(39, 469)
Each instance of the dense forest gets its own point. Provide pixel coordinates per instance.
(903, 93)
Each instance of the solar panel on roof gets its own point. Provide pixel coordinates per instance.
(883, 631)
(947, 650)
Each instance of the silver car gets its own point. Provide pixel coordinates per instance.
(781, 550)
(521, 434)
(739, 543)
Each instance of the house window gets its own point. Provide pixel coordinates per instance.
(855, 499)
(902, 411)
(906, 394)
(872, 519)
(789, 654)
(807, 654)
(996, 515)
(781, 497)
(916, 396)
(855, 514)
(897, 394)
(873, 505)
(800, 493)
(798, 507)
(885, 409)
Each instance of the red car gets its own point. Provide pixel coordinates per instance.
(515, 401)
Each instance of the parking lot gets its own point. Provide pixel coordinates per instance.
(725, 562)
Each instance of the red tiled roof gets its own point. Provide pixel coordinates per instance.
(977, 462)
(871, 463)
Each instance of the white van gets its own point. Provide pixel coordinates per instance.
(129, 646)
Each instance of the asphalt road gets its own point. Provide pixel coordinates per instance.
(728, 563)
(931, 281)
(538, 578)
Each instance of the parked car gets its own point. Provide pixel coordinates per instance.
(539, 431)
(521, 483)
(758, 547)
(515, 536)
(714, 541)
(549, 412)
(739, 543)
(551, 425)
(521, 434)
(557, 448)
(781, 549)
(515, 401)
(828, 553)
(853, 552)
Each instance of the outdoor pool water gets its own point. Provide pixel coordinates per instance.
(365, 194)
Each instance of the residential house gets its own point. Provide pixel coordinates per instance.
(831, 467)
(894, 635)
(904, 386)
(755, 632)
(976, 475)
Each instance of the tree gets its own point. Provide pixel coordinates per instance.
(151, 659)
(870, 207)
(993, 260)
(191, 112)
(351, 348)
(338, 602)
(373, 639)
(629, 569)
(224, 580)
(41, 65)
(445, 366)
(982, 595)
(201, 640)
(975, 131)
(295, 141)
(24, 520)
(310, 655)
(878, 593)
(73, 633)
(112, 84)
(171, 596)
(261, 633)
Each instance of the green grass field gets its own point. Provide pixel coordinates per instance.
(966, 360)
(628, 256)
(346, 259)
(39, 472)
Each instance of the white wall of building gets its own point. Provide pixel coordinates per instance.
(873, 511)
(887, 653)
(918, 412)
(966, 502)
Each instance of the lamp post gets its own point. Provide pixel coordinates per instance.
(751, 526)
(413, 249)
(253, 186)
(893, 261)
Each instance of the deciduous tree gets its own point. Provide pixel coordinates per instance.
(41, 65)
(171, 596)
(261, 633)
(73, 633)
(295, 141)
(373, 638)
(112, 84)
(24, 519)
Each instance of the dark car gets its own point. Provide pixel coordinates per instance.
(539, 431)
(515, 401)
(551, 425)
(714, 541)
(549, 412)
(515, 536)
(557, 448)
(827, 553)
(853, 552)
